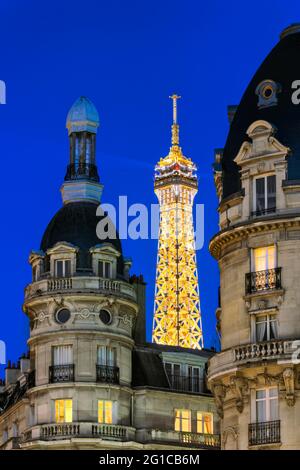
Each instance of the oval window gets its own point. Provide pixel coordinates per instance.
(105, 317)
(63, 315)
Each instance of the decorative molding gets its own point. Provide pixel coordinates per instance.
(289, 382)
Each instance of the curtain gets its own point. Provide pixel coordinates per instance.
(261, 329)
(106, 356)
(62, 355)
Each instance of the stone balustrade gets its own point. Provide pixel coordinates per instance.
(91, 284)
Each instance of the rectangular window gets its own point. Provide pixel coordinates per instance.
(105, 412)
(265, 194)
(63, 268)
(34, 274)
(63, 411)
(182, 420)
(204, 423)
(194, 379)
(62, 355)
(266, 327)
(106, 356)
(105, 269)
(264, 258)
(267, 404)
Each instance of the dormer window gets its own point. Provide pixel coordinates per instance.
(264, 195)
(105, 269)
(63, 268)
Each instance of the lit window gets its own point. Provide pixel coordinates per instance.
(264, 258)
(105, 269)
(183, 420)
(63, 268)
(204, 423)
(264, 194)
(105, 412)
(106, 356)
(267, 404)
(266, 328)
(63, 411)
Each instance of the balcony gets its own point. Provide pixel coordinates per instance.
(184, 383)
(107, 374)
(264, 350)
(185, 439)
(261, 281)
(64, 373)
(264, 433)
(88, 430)
(88, 284)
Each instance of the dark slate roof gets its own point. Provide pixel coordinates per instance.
(76, 223)
(282, 66)
(148, 369)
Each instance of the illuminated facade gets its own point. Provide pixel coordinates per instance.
(177, 315)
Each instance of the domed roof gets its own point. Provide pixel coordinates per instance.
(82, 116)
(76, 223)
(282, 67)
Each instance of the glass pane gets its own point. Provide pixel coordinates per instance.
(273, 392)
(261, 411)
(108, 412)
(168, 367)
(199, 422)
(68, 411)
(107, 270)
(271, 192)
(177, 423)
(101, 269)
(208, 423)
(260, 194)
(260, 394)
(67, 268)
(270, 251)
(100, 411)
(59, 269)
(176, 369)
(260, 259)
(273, 409)
(59, 411)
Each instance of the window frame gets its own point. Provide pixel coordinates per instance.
(253, 258)
(105, 264)
(179, 420)
(267, 401)
(57, 413)
(104, 409)
(268, 321)
(202, 423)
(63, 261)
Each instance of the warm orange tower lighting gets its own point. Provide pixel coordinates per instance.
(177, 314)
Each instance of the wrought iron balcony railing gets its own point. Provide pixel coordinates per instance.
(264, 433)
(108, 374)
(185, 383)
(82, 170)
(259, 212)
(258, 281)
(63, 373)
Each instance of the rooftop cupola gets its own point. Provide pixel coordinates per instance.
(82, 179)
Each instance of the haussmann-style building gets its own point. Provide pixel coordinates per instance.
(90, 379)
(256, 377)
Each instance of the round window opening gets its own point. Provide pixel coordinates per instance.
(105, 317)
(267, 92)
(63, 315)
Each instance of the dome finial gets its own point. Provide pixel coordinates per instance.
(175, 126)
(83, 116)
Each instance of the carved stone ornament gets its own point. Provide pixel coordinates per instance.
(289, 383)
(239, 386)
(219, 392)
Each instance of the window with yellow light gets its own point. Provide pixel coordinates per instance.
(205, 423)
(183, 420)
(105, 412)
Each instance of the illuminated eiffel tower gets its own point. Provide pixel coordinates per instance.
(177, 314)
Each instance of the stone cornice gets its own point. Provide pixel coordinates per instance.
(244, 229)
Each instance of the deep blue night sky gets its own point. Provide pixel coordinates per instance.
(127, 57)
